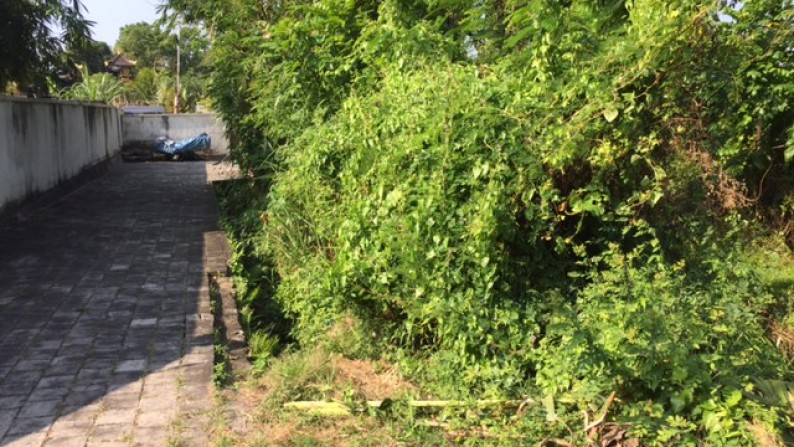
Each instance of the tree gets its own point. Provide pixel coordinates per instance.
(194, 46)
(146, 44)
(92, 55)
(144, 88)
(154, 49)
(30, 50)
(152, 46)
(141, 42)
(99, 87)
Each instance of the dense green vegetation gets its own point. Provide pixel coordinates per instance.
(97, 87)
(42, 40)
(153, 47)
(525, 198)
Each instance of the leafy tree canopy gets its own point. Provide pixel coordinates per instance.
(147, 44)
(31, 50)
(151, 45)
(93, 55)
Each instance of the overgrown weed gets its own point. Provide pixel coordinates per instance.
(551, 199)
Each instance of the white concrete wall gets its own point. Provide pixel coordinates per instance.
(147, 128)
(45, 142)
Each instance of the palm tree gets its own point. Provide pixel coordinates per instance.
(99, 87)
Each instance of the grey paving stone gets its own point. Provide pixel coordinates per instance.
(26, 426)
(143, 322)
(64, 368)
(48, 394)
(15, 389)
(72, 399)
(46, 408)
(112, 417)
(158, 404)
(135, 350)
(166, 377)
(7, 361)
(155, 390)
(108, 353)
(6, 418)
(150, 436)
(64, 316)
(106, 433)
(131, 365)
(62, 441)
(120, 402)
(88, 376)
(164, 364)
(67, 429)
(133, 387)
(83, 395)
(30, 365)
(120, 378)
(78, 340)
(73, 349)
(31, 440)
(41, 354)
(155, 418)
(55, 381)
(22, 379)
(81, 416)
(11, 403)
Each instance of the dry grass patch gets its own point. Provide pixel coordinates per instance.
(371, 380)
(783, 336)
(254, 414)
(763, 436)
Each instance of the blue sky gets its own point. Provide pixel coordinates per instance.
(110, 15)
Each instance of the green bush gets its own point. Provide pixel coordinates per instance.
(410, 229)
(262, 345)
(539, 197)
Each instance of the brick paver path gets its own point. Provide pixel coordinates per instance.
(105, 325)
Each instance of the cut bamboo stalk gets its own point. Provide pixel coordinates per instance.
(463, 403)
(322, 408)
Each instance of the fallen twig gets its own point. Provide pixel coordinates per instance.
(600, 420)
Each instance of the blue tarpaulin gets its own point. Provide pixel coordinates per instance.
(197, 143)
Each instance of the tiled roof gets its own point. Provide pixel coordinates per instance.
(121, 61)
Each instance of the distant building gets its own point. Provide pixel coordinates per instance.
(121, 67)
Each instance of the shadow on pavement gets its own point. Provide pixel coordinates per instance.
(105, 322)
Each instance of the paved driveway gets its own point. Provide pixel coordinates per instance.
(105, 324)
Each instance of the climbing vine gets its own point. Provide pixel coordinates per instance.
(526, 197)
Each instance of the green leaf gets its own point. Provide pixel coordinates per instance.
(788, 153)
(776, 393)
(733, 399)
(610, 114)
